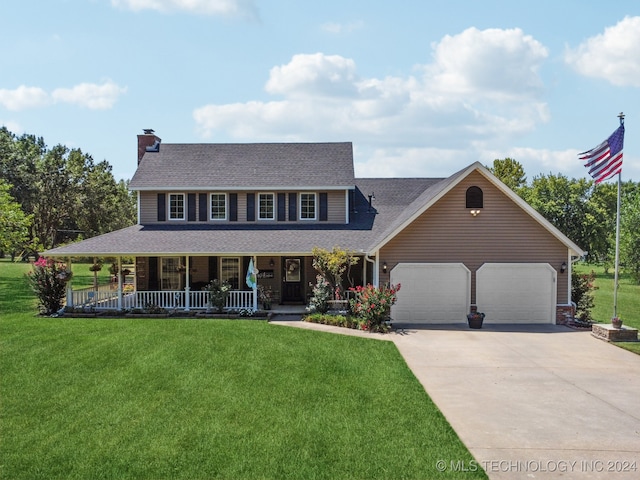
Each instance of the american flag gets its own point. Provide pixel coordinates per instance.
(605, 160)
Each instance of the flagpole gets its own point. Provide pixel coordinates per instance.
(617, 260)
(615, 280)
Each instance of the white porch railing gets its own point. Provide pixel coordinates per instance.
(168, 299)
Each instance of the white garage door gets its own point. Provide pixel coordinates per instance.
(431, 292)
(517, 292)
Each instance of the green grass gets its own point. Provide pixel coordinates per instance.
(165, 399)
(628, 300)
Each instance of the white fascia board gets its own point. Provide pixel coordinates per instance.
(309, 188)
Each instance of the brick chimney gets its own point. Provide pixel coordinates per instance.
(148, 142)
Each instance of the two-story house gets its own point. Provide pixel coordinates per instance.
(455, 244)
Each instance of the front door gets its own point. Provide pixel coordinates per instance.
(292, 291)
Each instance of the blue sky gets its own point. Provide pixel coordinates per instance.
(421, 87)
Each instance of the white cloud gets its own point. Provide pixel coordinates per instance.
(314, 75)
(482, 87)
(90, 95)
(493, 62)
(239, 8)
(613, 55)
(23, 98)
(335, 28)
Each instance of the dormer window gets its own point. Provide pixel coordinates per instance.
(218, 206)
(176, 206)
(474, 197)
(308, 206)
(266, 210)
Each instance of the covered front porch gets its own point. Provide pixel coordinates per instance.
(178, 283)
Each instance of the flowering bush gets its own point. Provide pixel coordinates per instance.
(322, 293)
(48, 279)
(265, 294)
(372, 306)
(218, 293)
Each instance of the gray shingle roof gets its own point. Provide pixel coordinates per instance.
(246, 166)
(392, 195)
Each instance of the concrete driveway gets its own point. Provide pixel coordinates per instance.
(532, 401)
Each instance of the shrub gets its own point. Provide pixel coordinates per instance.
(218, 293)
(322, 293)
(48, 279)
(582, 294)
(372, 306)
(336, 320)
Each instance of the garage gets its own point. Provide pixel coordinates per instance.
(431, 293)
(517, 292)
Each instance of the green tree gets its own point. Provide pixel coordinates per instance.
(333, 265)
(566, 204)
(67, 193)
(630, 233)
(510, 172)
(14, 224)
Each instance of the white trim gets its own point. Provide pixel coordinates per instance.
(226, 207)
(235, 188)
(184, 207)
(504, 189)
(315, 206)
(346, 206)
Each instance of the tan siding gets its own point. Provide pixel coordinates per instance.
(148, 207)
(336, 206)
(502, 232)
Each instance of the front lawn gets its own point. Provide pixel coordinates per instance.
(628, 300)
(187, 398)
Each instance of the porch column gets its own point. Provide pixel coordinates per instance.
(69, 285)
(119, 283)
(187, 287)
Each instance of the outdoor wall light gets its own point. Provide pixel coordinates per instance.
(384, 267)
(563, 267)
(475, 212)
(271, 263)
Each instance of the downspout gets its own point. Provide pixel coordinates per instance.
(376, 276)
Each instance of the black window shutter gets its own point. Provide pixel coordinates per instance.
(191, 207)
(233, 207)
(162, 207)
(251, 207)
(203, 211)
(153, 274)
(213, 268)
(282, 212)
(293, 207)
(324, 207)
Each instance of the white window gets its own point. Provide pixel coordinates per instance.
(170, 274)
(308, 206)
(230, 271)
(266, 209)
(176, 206)
(218, 206)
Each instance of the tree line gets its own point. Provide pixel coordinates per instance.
(583, 211)
(51, 196)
